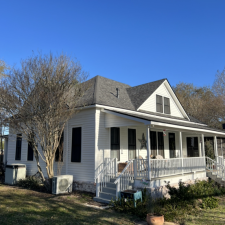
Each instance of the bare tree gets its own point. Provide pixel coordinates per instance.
(219, 84)
(3, 68)
(201, 103)
(39, 98)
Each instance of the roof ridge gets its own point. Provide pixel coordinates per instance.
(95, 90)
(148, 83)
(112, 80)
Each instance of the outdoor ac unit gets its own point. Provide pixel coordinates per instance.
(14, 173)
(62, 184)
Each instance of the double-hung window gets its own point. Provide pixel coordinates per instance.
(162, 104)
(166, 105)
(159, 104)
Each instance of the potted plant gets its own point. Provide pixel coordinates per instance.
(155, 219)
(152, 218)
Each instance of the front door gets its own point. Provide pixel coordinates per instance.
(192, 147)
(131, 144)
(172, 145)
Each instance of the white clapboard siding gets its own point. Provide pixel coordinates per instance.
(117, 121)
(102, 138)
(84, 170)
(150, 103)
(31, 166)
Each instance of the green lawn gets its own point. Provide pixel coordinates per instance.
(20, 206)
(209, 217)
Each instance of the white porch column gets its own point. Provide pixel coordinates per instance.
(203, 145)
(148, 152)
(181, 150)
(215, 149)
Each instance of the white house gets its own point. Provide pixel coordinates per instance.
(121, 124)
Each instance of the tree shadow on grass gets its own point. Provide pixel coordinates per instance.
(19, 206)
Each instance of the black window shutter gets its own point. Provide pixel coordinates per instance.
(153, 143)
(30, 152)
(160, 144)
(18, 146)
(59, 154)
(76, 145)
(159, 105)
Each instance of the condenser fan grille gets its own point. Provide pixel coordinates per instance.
(63, 184)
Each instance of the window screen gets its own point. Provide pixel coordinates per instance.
(159, 105)
(166, 105)
(76, 145)
(18, 146)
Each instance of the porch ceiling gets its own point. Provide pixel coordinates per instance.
(143, 119)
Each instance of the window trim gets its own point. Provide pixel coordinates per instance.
(71, 129)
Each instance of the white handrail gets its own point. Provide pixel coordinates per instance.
(104, 168)
(124, 180)
(109, 171)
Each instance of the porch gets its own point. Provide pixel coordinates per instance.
(152, 151)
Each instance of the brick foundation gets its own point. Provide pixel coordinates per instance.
(84, 186)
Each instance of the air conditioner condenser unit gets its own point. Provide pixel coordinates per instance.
(62, 184)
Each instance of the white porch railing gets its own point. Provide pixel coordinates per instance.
(125, 178)
(215, 167)
(168, 167)
(101, 166)
(109, 171)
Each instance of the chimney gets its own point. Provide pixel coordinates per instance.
(223, 125)
(117, 89)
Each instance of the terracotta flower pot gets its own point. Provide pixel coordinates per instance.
(153, 219)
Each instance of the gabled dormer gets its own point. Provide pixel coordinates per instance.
(163, 101)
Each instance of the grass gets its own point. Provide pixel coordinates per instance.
(22, 206)
(210, 216)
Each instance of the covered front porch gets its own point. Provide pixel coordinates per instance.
(153, 151)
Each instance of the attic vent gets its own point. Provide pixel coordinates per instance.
(117, 89)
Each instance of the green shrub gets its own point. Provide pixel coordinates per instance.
(30, 183)
(184, 200)
(209, 203)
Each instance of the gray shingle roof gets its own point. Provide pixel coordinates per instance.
(103, 91)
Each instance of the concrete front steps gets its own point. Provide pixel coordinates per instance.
(216, 178)
(108, 192)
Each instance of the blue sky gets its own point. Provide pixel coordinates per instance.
(134, 42)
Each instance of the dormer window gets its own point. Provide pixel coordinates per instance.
(162, 104)
(166, 105)
(159, 104)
